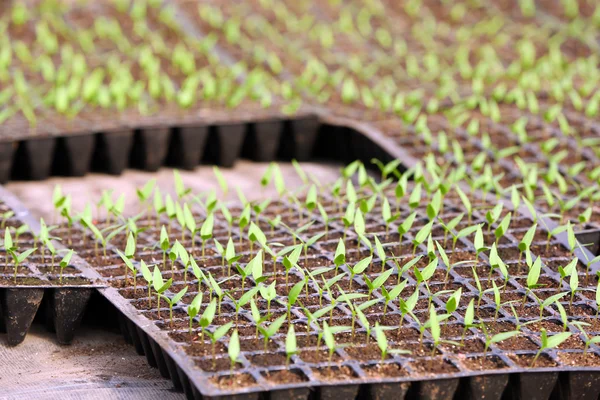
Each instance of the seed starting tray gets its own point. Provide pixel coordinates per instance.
(183, 144)
(36, 280)
(505, 369)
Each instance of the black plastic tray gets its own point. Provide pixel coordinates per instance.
(149, 148)
(513, 381)
(65, 302)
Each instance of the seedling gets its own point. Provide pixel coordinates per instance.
(64, 263)
(422, 235)
(214, 338)
(383, 345)
(359, 268)
(450, 226)
(193, 309)
(340, 255)
(497, 338)
(172, 301)
(160, 286)
(549, 342)
(271, 330)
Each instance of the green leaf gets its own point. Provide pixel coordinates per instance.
(233, 348)
(470, 313)
(290, 341)
(423, 233)
(527, 238)
(221, 331)
(206, 231)
(359, 223)
(407, 223)
(295, 292)
(209, 313)
(328, 337)
(534, 273)
(66, 259)
(340, 254)
(381, 339)
(502, 336)
(555, 340)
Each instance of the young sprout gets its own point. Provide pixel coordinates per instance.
(148, 277)
(436, 332)
(463, 233)
(532, 277)
(392, 294)
(340, 255)
(207, 317)
(407, 306)
(449, 227)
(383, 344)
(502, 227)
(289, 261)
(214, 338)
(405, 226)
(290, 345)
(160, 286)
(129, 266)
(230, 255)
(221, 180)
(269, 294)
(425, 275)
(479, 243)
(414, 200)
(271, 330)
(377, 282)
(434, 207)
(144, 193)
(293, 298)
(348, 218)
(313, 317)
(233, 350)
(193, 309)
(64, 263)
(468, 319)
(180, 188)
(422, 235)
(172, 301)
(388, 217)
(244, 221)
(550, 342)
(466, 202)
(573, 286)
(359, 268)
(492, 215)
(497, 338)
(525, 243)
(325, 218)
(244, 299)
(329, 342)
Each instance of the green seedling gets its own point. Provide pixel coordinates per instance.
(172, 301)
(193, 309)
(64, 263)
(271, 330)
(160, 286)
(214, 338)
(550, 342)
